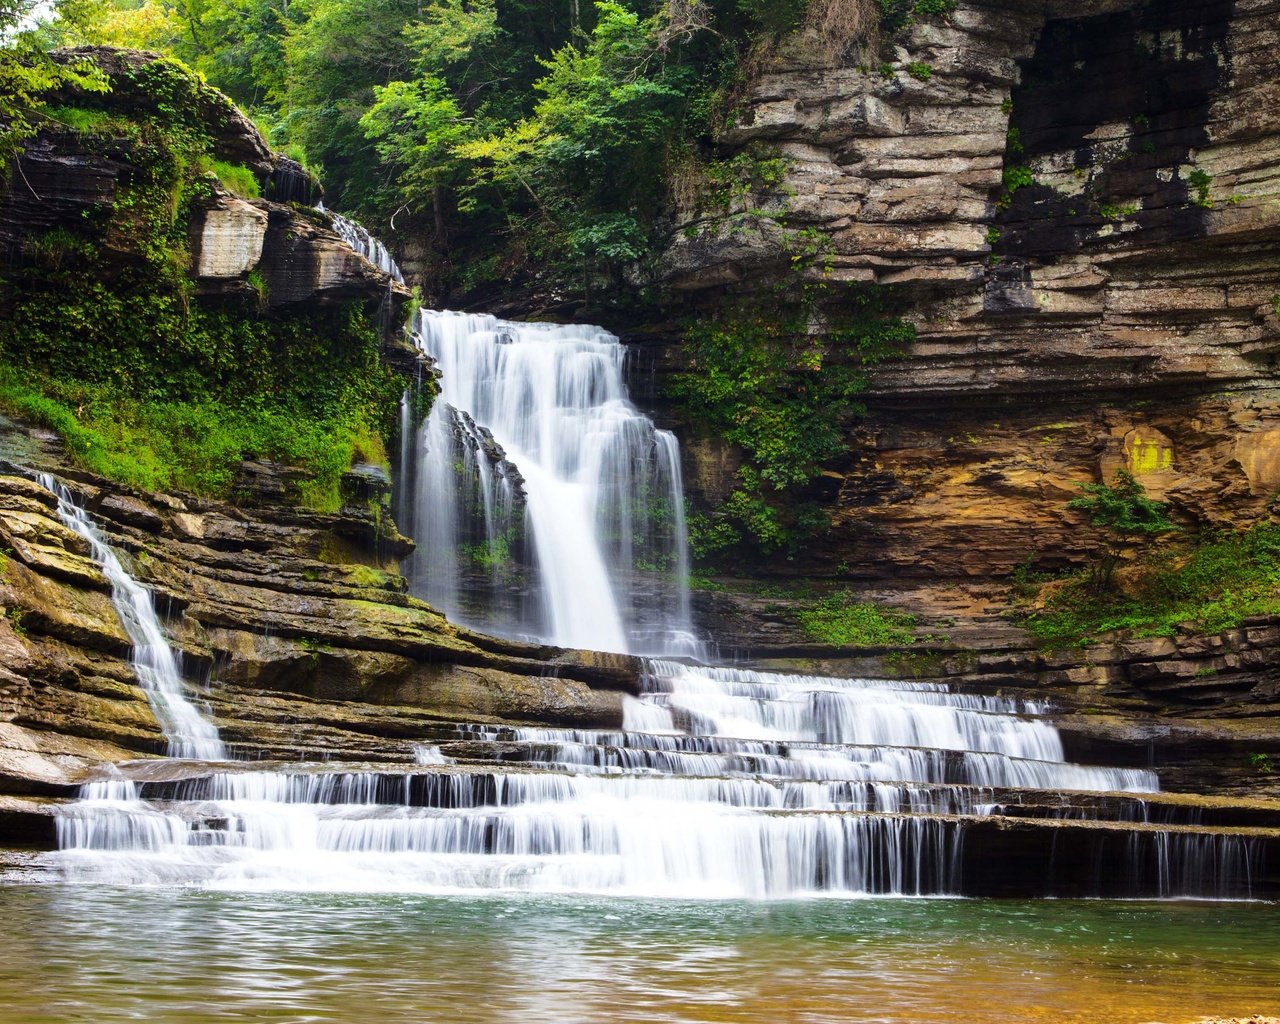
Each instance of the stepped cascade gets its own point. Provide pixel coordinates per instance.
(721, 783)
(535, 475)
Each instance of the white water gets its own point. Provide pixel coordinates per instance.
(534, 461)
(669, 814)
(356, 236)
(188, 732)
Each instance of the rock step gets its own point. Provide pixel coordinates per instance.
(991, 856)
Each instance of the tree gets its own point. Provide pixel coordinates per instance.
(28, 75)
(1124, 513)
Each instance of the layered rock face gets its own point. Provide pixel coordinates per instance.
(298, 621)
(66, 178)
(1079, 207)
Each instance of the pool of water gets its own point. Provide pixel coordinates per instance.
(88, 953)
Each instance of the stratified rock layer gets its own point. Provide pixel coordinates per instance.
(298, 621)
(1119, 311)
(277, 250)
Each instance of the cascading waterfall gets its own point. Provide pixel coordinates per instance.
(188, 732)
(359, 238)
(545, 505)
(640, 812)
(533, 462)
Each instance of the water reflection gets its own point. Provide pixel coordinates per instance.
(109, 955)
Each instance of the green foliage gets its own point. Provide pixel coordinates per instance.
(781, 380)
(1014, 178)
(920, 71)
(780, 377)
(150, 385)
(84, 120)
(838, 621)
(308, 391)
(1200, 181)
(1122, 507)
(512, 138)
(897, 14)
(1111, 211)
(745, 519)
(1212, 587)
(491, 556)
(28, 75)
(1260, 763)
(1123, 512)
(993, 235)
(236, 179)
(367, 576)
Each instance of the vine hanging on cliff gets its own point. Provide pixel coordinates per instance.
(778, 373)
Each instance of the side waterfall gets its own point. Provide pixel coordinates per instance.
(358, 237)
(545, 504)
(189, 733)
(535, 473)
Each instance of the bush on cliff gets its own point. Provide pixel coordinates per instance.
(103, 340)
(778, 374)
(1210, 586)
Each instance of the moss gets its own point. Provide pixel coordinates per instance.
(236, 179)
(85, 120)
(1200, 182)
(367, 576)
(778, 374)
(1212, 587)
(104, 342)
(839, 621)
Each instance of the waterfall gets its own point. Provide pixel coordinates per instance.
(358, 237)
(689, 811)
(545, 505)
(188, 732)
(536, 475)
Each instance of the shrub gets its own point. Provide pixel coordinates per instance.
(835, 620)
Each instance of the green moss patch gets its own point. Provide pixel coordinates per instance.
(839, 621)
(1213, 587)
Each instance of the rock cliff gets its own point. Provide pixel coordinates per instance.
(1078, 206)
(298, 622)
(276, 248)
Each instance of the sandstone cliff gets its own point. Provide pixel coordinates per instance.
(1078, 206)
(298, 622)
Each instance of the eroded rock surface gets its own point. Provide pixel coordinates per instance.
(298, 622)
(1078, 205)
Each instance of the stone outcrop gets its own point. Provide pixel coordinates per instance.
(276, 250)
(1078, 206)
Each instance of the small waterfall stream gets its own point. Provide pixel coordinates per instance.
(188, 732)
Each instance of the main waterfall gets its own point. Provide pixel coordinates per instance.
(545, 504)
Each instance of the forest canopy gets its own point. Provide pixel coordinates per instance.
(507, 133)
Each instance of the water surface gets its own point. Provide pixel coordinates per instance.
(88, 953)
